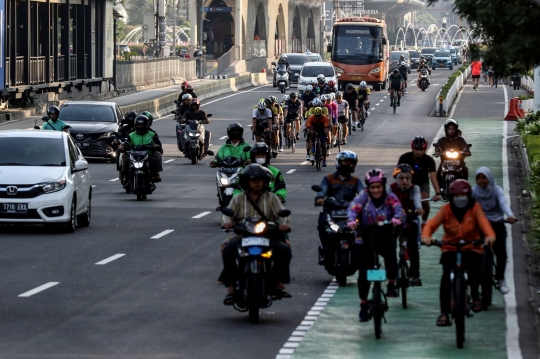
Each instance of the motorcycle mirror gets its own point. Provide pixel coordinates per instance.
(273, 63)
(227, 211)
(208, 115)
(284, 213)
(210, 153)
(173, 112)
(247, 148)
(316, 188)
(45, 118)
(66, 127)
(469, 145)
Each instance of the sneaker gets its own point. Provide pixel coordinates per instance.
(312, 158)
(398, 103)
(328, 152)
(391, 290)
(280, 148)
(391, 104)
(297, 136)
(324, 163)
(363, 316)
(157, 178)
(344, 142)
(367, 114)
(503, 288)
(308, 157)
(334, 144)
(416, 282)
(354, 127)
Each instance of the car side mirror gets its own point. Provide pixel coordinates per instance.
(208, 115)
(45, 118)
(66, 127)
(273, 63)
(81, 165)
(329, 48)
(173, 112)
(338, 74)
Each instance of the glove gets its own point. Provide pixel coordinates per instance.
(396, 221)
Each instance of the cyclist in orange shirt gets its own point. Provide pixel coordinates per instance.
(476, 71)
(321, 125)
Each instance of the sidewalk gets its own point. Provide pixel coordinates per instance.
(411, 333)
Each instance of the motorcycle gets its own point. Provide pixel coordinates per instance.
(196, 140)
(282, 78)
(255, 262)
(228, 171)
(338, 257)
(140, 183)
(452, 165)
(423, 83)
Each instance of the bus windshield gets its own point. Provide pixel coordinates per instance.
(357, 45)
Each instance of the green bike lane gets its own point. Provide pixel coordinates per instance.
(332, 330)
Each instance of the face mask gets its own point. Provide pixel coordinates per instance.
(235, 136)
(260, 161)
(346, 170)
(460, 202)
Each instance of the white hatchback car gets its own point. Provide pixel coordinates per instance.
(311, 70)
(44, 179)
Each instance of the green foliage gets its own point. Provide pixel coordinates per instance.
(425, 19)
(530, 125)
(137, 8)
(185, 24)
(120, 30)
(509, 29)
(525, 97)
(448, 85)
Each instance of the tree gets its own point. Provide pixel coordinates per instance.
(426, 19)
(509, 32)
(138, 8)
(120, 30)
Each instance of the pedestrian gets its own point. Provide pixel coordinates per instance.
(476, 69)
(516, 80)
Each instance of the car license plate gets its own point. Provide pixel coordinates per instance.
(14, 208)
(228, 169)
(83, 144)
(376, 275)
(452, 162)
(339, 213)
(229, 191)
(255, 241)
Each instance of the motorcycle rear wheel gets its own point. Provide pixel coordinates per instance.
(254, 292)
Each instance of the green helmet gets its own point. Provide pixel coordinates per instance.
(149, 116)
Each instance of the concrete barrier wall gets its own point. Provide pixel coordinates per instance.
(452, 93)
(150, 73)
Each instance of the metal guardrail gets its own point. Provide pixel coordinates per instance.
(37, 70)
(228, 58)
(19, 70)
(72, 66)
(61, 68)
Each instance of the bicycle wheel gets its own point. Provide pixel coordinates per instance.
(292, 138)
(395, 103)
(487, 278)
(362, 119)
(458, 309)
(339, 137)
(318, 154)
(403, 280)
(376, 309)
(349, 122)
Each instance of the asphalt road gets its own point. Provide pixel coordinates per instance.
(160, 299)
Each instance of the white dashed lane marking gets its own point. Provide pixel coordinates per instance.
(164, 233)
(168, 161)
(41, 288)
(305, 162)
(114, 179)
(290, 171)
(110, 259)
(222, 138)
(201, 215)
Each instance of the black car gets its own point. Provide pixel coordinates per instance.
(92, 126)
(428, 52)
(415, 58)
(295, 61)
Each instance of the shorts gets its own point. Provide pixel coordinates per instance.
(475, 76)
(395, 87)
(291, 117)
(261, 126)
(343, 119)
(490, 74)
(424, 187)
(322, 135)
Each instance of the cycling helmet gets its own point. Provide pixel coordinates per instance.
(261, 106)
(419, 143)
(317, 111)
(331, 83)
(346, 155)
(460, 186)
(332, 96)
(309, 88)
(422, 57)
(375, 175)
(396, 71)
(325, 98)
(53, 110)
(195, 102)
(141, 124)
(363, 84)
(313, 83)
(260, 148)
(402, 168)
(351, 86)
(255, 171)
(403, 63)
(293, 95)
(274, 99)
(149, 117)
(269, 100)
(321, 79)
(187, 97)
(235, 127)
(317, 102)
(285, 98)
(339, 94)
(184, 84)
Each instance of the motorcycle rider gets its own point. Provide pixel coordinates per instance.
(341, 185)
(409, 196)
(321, 85)
(403, 72)
(331, 87)
(255, 180)
(195, 113)
(187, 88)
(291, 111)
(321, 125)
(53, 123)
(123, 132)
(453, 140)
(184, 106)
(142, 136)
(307, 98)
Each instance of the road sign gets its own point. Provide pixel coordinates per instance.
(217, 9)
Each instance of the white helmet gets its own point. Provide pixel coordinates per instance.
(261, 105)
(363, 84)
(309, 88)
(321, 79)
(285, 97)
(324, 97)
(332, 96)
(403, 63)
(317, 102)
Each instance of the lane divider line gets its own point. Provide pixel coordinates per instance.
(200, 215)
(169, 161)
(114, 179)
(377, 104)
(164, 233)
(305, 162)
(223, 137)
(110, 259)
(290, 171)
(94, 185)
(372, 109)
(41, 288)
(307, 323)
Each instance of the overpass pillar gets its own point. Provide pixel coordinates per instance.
(238, 35)
(193, 23)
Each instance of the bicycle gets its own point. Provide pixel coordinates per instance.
(290, 134)
(362, 116)
(394, 100)
(315, 151)
(339, 136)
(403, 279)
(349, 122)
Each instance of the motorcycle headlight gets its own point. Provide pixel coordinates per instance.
(191, 134)
(334, 227)
(54, 186)
(224, 181)
(137, 164)
(260, 227)
(451, 154)
(376, 70)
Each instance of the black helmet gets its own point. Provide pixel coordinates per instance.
(450, 122)
(235, 127)
(419, 143)
(141, 124)
(402, 168)
(350, 87)
(149, 117)
(255, 171)
(260, 148)
(293, 95)
(269, 101)
(130, 118)
(396, 71)
(53, 110)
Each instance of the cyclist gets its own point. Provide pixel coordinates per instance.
(321, 85)
(319, 123)
(291, 111)
(307, 98)
(343, 113)
(403, 72)
(374, 205)
(462, 218)
(363, 97)
(424, 170)
(409, 196)
(272, 104)
(491, 198)
(395, 82)
(262, 121)
(351, 96)
(331, 87)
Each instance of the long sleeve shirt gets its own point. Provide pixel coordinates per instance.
(496, 213)
(267, 202)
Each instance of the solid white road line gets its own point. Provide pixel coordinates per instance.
(94, 185)
(110, 259)
(114, 179)
(235, 94)
(164, 233)
(41, 288)
(290, 171)
(201, 215)
(224, 137)
(169, 161)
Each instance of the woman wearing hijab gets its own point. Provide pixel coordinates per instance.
(491, 198)
(462, 218)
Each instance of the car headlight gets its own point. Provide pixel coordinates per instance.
(376, 70)
(137, 164)
(54, 186)
(338, 69)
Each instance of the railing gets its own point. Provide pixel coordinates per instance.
(73, 67)
(61, 68)
(19, 70)
(51, 68)
(228, 58)
(37, 70)
(296, 45)
(87, 67)
(280, 46)
(311, 44)
(8, 73)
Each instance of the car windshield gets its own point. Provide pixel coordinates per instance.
(87, 112)
(428, 51)
(414, 54)
(31, 151)
(297, 59)
(396, 55)
(442, 54)
(314, 71)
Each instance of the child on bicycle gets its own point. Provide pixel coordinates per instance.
(491, 198)
(409, 197)
(373, 214)
(462, 218)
